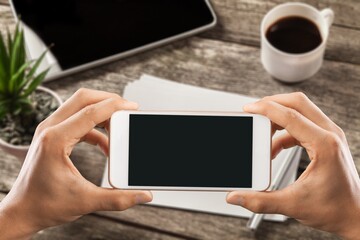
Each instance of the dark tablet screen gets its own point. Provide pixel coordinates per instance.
(84, 31)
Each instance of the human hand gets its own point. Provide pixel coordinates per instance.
(327, 195)
(49, 189)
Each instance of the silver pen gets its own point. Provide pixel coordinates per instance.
(256, 218)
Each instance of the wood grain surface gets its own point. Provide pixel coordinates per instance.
(225, 58)
(95, 227)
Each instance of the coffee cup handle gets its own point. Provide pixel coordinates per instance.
(328, 15)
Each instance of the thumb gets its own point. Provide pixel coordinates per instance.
(119, 200)
(260, 202)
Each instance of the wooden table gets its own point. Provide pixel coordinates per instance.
(227, 59)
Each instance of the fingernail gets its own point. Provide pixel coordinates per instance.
(143, 198)
(134, 105)
(247, 107)
(239, 200)
(236, 200)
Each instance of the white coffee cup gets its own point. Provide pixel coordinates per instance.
(290, 67)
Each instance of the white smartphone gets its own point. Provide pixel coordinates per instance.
(199, 151)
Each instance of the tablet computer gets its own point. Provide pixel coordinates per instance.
(87, 33)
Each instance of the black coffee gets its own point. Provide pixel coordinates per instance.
(294, 35)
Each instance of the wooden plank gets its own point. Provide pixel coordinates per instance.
(92, 227)
(2, 196)
(239, 21)
(6, 17)
(9, 169)
(345, 10)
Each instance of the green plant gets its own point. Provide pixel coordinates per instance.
(18, 79)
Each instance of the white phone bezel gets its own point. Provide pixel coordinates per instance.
(119, 150)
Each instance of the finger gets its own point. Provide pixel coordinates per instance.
(284, 141)
(107, 126)
(261, 202)
(274, 128)
(301, 103)
(82, 98)
(119, 200)
(301, 128)
(81, 123)
(96, 138)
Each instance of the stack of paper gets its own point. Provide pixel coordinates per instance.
(158, 94)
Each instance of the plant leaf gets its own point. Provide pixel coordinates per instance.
(14, 59)
(22, 54)
(4, 62)
(24, 104)
(4, 102)
(10, 42)
(17, 109)
(14, 79)
(33, 69)
(18, 77)
(35, 83)
(23, 79)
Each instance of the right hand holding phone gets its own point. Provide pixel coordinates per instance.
(327, 194)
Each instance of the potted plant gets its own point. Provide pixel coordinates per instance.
(23, 103)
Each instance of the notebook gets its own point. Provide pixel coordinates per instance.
(153, 93)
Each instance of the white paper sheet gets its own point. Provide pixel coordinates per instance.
(158, 94)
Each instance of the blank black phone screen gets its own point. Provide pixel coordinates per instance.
(83, 31)
(190, 151)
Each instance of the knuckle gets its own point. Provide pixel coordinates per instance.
(257, 206)
(119, 101)
(116, 96)
(264, 105)
(47, 135)
(120, 204)
(41, 127)
(267, 98)
(333, 141)
(338, 130)
(292, 114)
(89, 110)
(81, 95)
(82, 92)
(327, 147)
(119, 104)
(301, 96)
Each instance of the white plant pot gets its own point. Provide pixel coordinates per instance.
(21, 151)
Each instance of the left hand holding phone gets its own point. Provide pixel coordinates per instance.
(49, 189)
